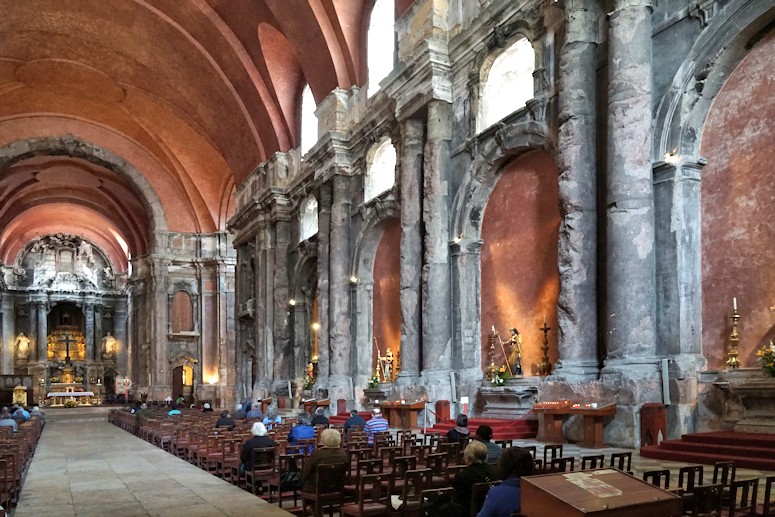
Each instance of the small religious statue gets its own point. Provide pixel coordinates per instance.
(515, 352)
(22, 346)
(387, 366)
(108, 346)
(311, 371)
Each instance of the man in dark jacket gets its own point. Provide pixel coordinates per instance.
(355, 420)
(259, 440)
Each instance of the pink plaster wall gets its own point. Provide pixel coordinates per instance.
(387, 280)
(738, 227)
(520, 280)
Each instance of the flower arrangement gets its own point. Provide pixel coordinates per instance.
(71, 403)
(498, 376)
(308, 382)
(54, 379)
(767, 358)
(374, 381)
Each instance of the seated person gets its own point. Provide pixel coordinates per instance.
(271, 416)
(174, 411)
(225, 421)
(255, 412)
(484, 435)
(21, 415)
(239, 413)
(6, 420)
(259, 440)
(303, 430)
(376, 424)
(460, 431)
(476, 471)
(505, 499)
(355, 420)
(329, 453)
(207, 407)
(320, 417)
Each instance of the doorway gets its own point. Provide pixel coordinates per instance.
(183, 383)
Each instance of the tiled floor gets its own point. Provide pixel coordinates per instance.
(88, 467)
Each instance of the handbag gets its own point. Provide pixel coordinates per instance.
(290, 480)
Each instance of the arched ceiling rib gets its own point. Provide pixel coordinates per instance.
(193, 94)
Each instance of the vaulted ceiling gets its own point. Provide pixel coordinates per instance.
(113, 110)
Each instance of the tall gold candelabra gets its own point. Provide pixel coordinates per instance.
(734, 340)
(545, 367)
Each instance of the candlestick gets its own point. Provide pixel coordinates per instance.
(734, 339)
(545, 367)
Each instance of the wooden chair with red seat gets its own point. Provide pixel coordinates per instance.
(742, 498)
(229, 461)
(364, 467)
(329, 489)
(452, 449)
(705, 501)
(388, 455)
(437, 462)
(401, 465)
(264, 468)
(373, 498)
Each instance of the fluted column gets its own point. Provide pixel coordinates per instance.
(41, 310)
(577, 145)
(413, 133)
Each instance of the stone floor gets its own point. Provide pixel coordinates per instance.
(84, 466)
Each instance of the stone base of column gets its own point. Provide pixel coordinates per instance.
(340, 388)
(575, 370)
(635, 382)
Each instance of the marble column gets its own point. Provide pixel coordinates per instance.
(631, 367)
(413, 133)
(99, 333)
(7, 335)
(577, 159)
(120, 331)
(283, 363)
(339, 281)
(41, 310)
(324, 231)
(436, 321)
(88, 310)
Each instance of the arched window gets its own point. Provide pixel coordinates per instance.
(182, 312)
(508, 84)
(381, 43)
(308, 218)
(309, 122)
(380, 169)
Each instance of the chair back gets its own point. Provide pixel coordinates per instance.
(331, 478)
(660, 478)
(742, 497)
(563, 464)
(479, 493)
(263, 458)
(374, 490)
(768, 505)
(551, 452)
(724, 472)
(689, 477)
(622, 461)
(592, 462)
(434, 501)
(706, 500)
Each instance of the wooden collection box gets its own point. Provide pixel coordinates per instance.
(601, 493)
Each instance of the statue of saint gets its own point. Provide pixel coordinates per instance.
(22, 346)
(108, 346)
(515, 352)
(387, 365)
(311, 371)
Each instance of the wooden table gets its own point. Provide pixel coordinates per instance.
(312, 404)
(402, 415)
(593, 422)
(551, 421)
(600, 493)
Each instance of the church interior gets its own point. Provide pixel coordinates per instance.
(490, 207)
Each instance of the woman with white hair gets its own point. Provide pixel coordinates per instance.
(329, 453)
(259, 440)
(271, 416)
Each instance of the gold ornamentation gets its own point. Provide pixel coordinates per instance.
(734, 339)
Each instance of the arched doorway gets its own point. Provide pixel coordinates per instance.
(183, 382)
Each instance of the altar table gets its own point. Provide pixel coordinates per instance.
(59, 397)
(593, 416)
(402, 415)
(551, 421)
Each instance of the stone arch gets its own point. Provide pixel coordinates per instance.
(682, 112)
(496, 151)
(304, 294)
(75, 147)
(376, 220)
(379, 159)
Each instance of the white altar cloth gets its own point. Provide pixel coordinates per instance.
(71, 394)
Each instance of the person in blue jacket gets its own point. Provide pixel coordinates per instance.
(506, 498)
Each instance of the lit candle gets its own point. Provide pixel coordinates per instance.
(493, 329)
(734, 303)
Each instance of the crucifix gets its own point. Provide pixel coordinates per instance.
(67, 340)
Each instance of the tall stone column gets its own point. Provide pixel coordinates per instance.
(41, 310)
(339, 282)
(324, 234)
(436, 321)
(99, 310)
(631, 365)
(577, 157)
(120, 330)
(283, 363)
(413, 133)
(88, 310)
(8, 335)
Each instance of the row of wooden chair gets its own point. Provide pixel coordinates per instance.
(16, 451)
